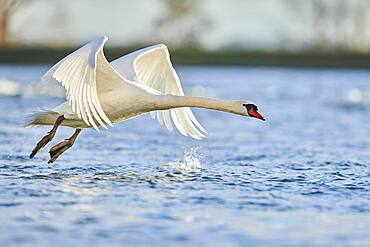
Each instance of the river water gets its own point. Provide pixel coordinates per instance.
(300, 178)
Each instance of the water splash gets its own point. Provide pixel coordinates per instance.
(190, 162)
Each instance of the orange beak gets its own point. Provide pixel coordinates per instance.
(255, 114)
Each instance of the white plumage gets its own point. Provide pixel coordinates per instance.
(78, 74)
(92, 83)
(152, 66)
(100, 93)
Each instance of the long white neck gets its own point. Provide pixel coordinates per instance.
(171, 101)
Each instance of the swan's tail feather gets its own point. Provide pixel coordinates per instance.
(43, 117)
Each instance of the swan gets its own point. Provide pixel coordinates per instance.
(100, 94)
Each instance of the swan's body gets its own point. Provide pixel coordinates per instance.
(100, 94)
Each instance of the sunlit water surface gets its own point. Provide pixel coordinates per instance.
(300, 178)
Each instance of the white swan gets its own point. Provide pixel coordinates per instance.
(100, 94)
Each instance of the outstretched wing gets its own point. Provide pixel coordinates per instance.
(152, 66)
(84, 74)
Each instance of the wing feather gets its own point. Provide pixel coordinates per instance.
(78, 73)
(152, 66)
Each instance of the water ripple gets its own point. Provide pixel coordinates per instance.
(300, 178)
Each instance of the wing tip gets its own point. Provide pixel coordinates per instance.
(103, 39)
(198, 137)
(161, 45)
(157, 47)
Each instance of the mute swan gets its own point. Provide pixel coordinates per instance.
(100, 94)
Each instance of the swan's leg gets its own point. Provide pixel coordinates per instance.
(61, 147)
(46, 139)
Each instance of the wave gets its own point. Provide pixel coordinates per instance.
(190, 162)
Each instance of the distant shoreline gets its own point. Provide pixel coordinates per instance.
(195, 57)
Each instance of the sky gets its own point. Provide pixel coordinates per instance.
(212, 24)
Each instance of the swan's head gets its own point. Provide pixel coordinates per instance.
(246, 108)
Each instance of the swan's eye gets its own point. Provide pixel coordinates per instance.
(250, 106)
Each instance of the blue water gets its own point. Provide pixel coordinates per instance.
(301, 178)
